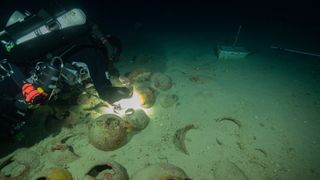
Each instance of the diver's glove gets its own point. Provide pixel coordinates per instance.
(117, 93)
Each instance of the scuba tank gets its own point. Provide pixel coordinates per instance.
(75, 73)
(47, 75)
(22, 28)
(27, 38)
(51, 76)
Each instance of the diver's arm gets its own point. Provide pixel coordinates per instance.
(98, 69)
(110, 46)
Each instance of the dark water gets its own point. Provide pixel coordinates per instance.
(288, 21)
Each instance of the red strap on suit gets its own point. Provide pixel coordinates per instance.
(31, 93)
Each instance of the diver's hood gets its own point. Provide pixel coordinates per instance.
(15, 17)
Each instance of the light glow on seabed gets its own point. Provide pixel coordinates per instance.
(135, 102)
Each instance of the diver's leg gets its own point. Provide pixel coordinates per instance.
(13, 110)
(12, 118)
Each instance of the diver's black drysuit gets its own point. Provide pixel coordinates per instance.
(83, 43)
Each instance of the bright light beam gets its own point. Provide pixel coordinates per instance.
(134, 102)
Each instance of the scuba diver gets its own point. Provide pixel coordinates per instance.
(40, 53)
